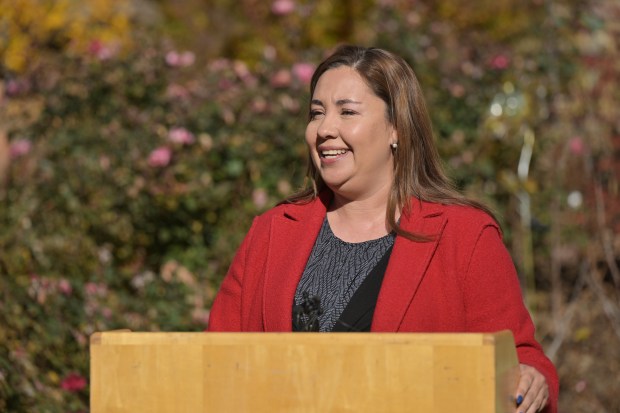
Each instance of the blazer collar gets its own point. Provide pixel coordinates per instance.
(408, 264)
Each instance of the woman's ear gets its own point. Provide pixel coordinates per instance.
(393, 138)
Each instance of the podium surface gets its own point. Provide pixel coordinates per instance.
(302, 372)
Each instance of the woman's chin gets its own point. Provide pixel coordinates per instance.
(345, 189)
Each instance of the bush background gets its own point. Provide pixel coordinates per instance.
(139, 138)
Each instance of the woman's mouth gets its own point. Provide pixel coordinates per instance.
(332, 153)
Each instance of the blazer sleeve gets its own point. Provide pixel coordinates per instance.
(494, 302)
(226, 310)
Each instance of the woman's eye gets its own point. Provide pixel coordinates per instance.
(314, 114)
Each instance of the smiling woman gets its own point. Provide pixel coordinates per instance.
(349, 140)
(379, 241)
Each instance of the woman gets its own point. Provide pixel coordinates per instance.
(380, 241)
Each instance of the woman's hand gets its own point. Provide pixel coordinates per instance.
(533, 391)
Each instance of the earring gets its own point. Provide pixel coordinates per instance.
(394, 146)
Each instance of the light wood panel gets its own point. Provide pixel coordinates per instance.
(301, 372)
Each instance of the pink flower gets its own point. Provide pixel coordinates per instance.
(101, 50)
(160, 157)
(281, 79)
(181, 135)
(500, 62)
(15, 87)
(65, 286)
(104, 162)
(457, 90)
(41, 287)
(303, 72)
(12, 88)
(95, 46)
(91, 288)
(225, 84)
(175, 91)
(172, 58)
(73, 382)
(106, 312)
(259, 105)
(96, 289)
(242, 71)
(259, 197)
(187, 59)
(581, 386)
(219, 64)
(576, 146)
(176, 59)
(282, 7)
(19, 148)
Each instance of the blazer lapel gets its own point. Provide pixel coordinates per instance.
(291, 239)
(407, 266)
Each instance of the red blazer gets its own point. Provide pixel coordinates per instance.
(462, 281)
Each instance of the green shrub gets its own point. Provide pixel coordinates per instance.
(138, 184)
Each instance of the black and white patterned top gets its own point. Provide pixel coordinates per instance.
(336, 269)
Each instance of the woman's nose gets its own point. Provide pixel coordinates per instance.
(328, 128)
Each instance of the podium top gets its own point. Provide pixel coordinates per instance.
(128, 337)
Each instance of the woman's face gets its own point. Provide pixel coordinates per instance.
(349, 136)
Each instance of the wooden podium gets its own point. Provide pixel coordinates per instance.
(302, 372)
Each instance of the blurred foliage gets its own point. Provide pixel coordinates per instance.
(32, 29)
(138, 140)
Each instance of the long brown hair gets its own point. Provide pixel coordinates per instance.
(418, 171)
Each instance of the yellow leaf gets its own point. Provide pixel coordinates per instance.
(530, 186)
(582, 334)
(53, 377)
(54, 20)
(15, 55)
